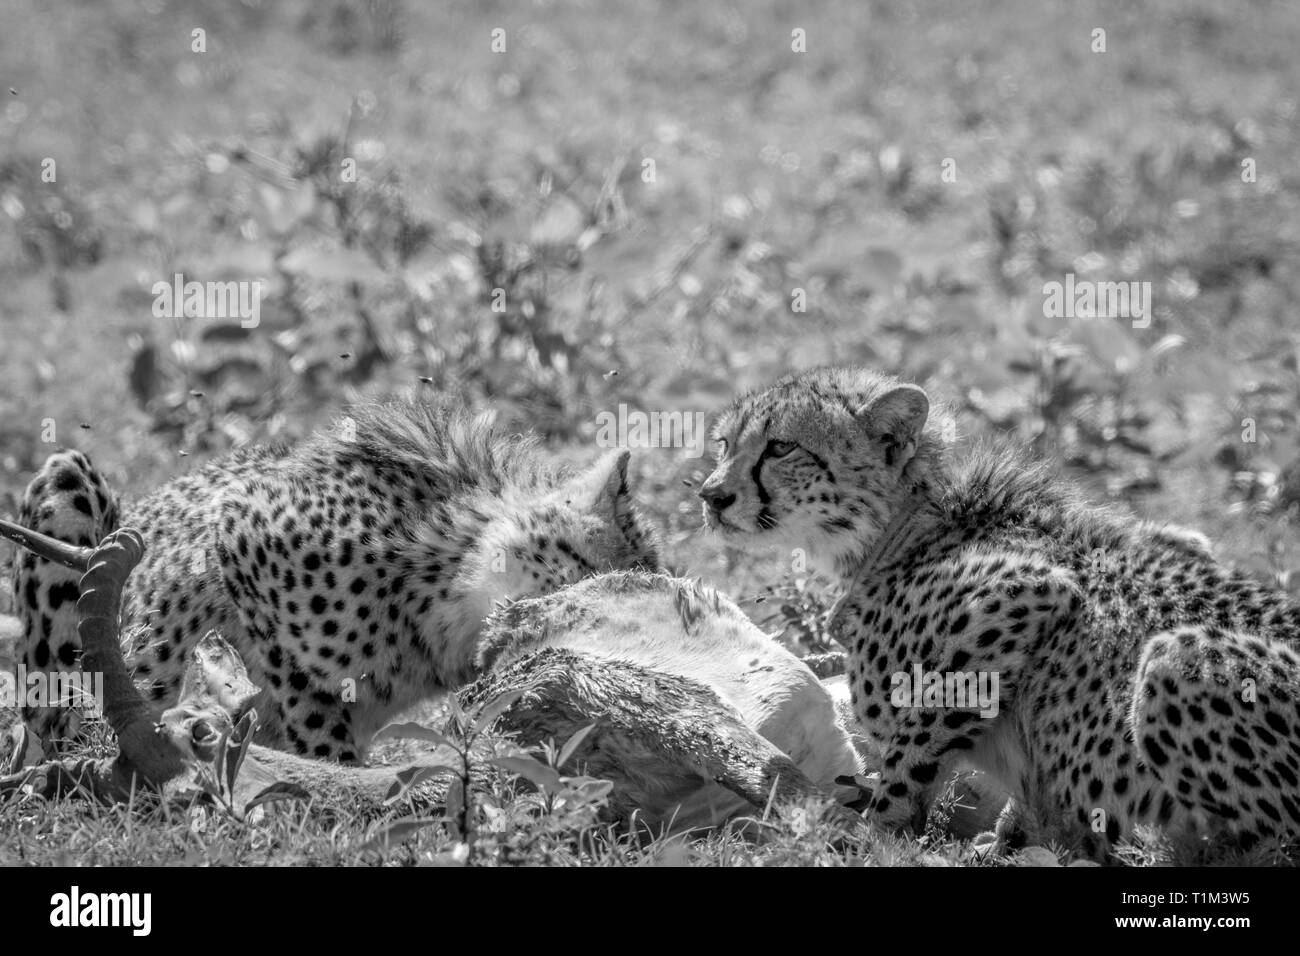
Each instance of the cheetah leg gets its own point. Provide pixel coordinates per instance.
(316, 720)
(989, 639)
(303, 694)
(910, 771)
(304, 709)
(67, 500)
(1216, 717)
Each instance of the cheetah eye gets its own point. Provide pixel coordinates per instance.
(722, 447)
(779, 449)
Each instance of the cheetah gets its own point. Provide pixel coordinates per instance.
(352, 573)
(1139, 681)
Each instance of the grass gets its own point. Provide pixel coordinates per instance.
(777, 176)
(513, 826)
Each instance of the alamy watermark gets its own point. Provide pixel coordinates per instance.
(637, 429)
(83, 690)
(947, 690)
(76, 909)
(179, 299)
(1085, 299)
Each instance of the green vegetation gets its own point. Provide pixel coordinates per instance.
(778, 177)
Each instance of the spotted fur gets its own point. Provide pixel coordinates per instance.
(1141, 681)
(352, 573)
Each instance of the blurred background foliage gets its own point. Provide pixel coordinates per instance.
(524, 171)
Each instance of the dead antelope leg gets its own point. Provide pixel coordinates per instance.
(142, 749)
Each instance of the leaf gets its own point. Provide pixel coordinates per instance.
(247, 726)
(143, 376)
(244, 739)
(496, 707)
(414, 776)
(208, 783)
(574, 742)
(397, 831)
(458, 855)
(591, 788)
(414, 731)
(331, 265)
(560, 223)
(456, 712)
(231, 765)
(282, 790)
(595, 789)
(1109, 343)
(583, 791)
(542, 776)
(225, 332)
(219, 758)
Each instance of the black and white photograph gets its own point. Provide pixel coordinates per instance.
(591, 433)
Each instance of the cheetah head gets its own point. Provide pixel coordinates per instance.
(821, 461)
(545, 540)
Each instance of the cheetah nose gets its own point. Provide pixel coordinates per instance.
(717, 499)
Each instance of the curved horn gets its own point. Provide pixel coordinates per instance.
(43, 546)
(99, 611)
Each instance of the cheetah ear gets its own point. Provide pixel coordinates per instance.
(896, 419)
(602, 487)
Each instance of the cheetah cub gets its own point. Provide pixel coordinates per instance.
(352, 574)
(1129, 677)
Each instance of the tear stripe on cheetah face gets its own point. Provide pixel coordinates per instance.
(1009, 572)
(370, 561)
(858, 442)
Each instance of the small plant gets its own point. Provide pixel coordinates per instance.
(800, 610)
(945, 807)
(222, 757)
(466, 751)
